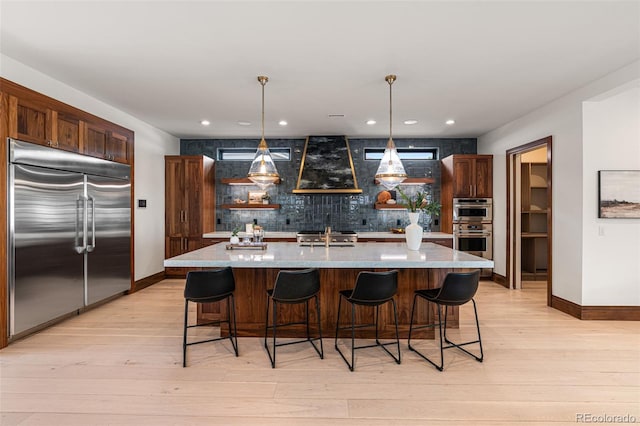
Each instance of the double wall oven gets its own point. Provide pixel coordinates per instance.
(473, 227)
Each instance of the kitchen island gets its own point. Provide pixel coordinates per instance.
(255, 271)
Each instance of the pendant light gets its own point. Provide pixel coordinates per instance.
(263, 170)
(391, 171)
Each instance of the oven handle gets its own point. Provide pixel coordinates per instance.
(472, 234)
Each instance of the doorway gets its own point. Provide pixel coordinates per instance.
(529, 215)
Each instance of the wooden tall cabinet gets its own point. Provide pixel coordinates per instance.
(189, 205)
(463, 176)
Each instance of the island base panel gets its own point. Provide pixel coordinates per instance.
(251, 299)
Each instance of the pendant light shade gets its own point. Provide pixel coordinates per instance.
(263, 170)
(391, 171)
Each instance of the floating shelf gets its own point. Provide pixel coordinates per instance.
(412, 181)
(251, 206)
(241, 181)
(385, 206)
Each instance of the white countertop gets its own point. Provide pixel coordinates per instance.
(292, 235)
(363, 255)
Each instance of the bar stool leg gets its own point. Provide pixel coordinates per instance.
(413, 309)
(335, 341)
(275, 318)
(353, 337)
(395, 314)
(319, 327)
(233, 337)
(184, 335)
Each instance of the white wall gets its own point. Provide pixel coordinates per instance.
(151, 144)
(611, 142)
(563, 120)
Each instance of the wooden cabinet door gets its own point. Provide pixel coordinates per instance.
(66, 131)
(483, 178)
(108, 144)
(173, 246)
(95, 141)
(193, 178)
(192, 244)
(463, 177)
(29, 121)
(117, 147)
(175, 211)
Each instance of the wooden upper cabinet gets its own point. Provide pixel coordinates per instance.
(29, 121)
(65, 131)
(483, 177)
(462, 178)
(95, 140)
(36, 118)
(117, 148)
(108, 144)
(470, 176)
(37, 123)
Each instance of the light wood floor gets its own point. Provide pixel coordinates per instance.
(121, 364)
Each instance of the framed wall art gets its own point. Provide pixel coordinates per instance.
(619, 194)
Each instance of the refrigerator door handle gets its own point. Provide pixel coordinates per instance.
(81, 206)
(91, 247)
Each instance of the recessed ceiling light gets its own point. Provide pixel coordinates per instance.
(205, 122)
(244, 123)
(371, 122)
(282, 123)
(450, 122)
(410, 122)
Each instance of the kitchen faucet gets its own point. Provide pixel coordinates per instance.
(327, 236)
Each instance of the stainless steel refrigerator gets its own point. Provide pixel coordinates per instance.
(69, 233)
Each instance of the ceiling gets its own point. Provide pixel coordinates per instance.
(174, 63)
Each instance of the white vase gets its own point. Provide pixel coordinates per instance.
(234, 239)
(413, 232)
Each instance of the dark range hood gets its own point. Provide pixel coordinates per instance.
(327, 167)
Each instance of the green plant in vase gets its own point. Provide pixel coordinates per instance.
(413, 204)
(235, 239)
(432, 209)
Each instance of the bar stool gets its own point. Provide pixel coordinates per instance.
(457, 289)
(293, 287)
(371, 289)
(208, 287)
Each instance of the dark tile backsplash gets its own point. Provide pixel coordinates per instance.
(315, 212)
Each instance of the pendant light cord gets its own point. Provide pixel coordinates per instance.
(263, 82)
(390, 108)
